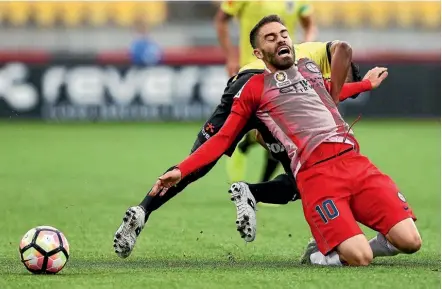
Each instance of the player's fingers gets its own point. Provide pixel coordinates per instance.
(163, 191)
(167, 180)
(384, 75)
(382, 72)
(155, 189)
(372, 72)
(380, 69)
(167, 176)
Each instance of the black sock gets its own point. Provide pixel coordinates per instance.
(150, 204)
(280, 190)
(271, 165)
(246, 143)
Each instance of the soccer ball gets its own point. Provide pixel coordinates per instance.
(44, 249)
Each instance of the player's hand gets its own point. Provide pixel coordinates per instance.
(166, 181)
(376, 76)
(232, 65)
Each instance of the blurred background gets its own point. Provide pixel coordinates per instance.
(161, 60)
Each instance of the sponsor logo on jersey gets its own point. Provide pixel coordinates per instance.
(205, 134)
(280, 76)
(275, 147)
(210, 127)
(281, 79)
(299, 87)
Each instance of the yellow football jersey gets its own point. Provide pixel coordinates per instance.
(249, 13)
(316, 51)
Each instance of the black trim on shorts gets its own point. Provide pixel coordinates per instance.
(335, 156)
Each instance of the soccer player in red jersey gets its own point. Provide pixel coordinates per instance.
(339, 187)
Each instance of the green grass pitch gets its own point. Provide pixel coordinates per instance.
(81, 178)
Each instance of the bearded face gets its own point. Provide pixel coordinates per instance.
(275, 46)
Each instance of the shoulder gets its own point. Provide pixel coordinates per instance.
(257, 64)
(307, 61)
(238, 81)
(308, 66)
(317, 49)
(315, 46)
(253, 87)
(314, 50)
(256, 82)
(257, 78)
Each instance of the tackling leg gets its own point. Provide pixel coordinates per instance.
(136, 217)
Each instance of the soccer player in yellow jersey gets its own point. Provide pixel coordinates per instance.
(248, 13)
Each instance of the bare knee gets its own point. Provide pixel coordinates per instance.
(413, 244)
(359, 258)
(408, 244)
(405, 237)
(356, 251)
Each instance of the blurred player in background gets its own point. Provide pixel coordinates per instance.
(143, 50)
(248, 13)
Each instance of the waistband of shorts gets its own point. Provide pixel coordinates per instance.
(327, 151)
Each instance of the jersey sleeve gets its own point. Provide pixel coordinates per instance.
(214, 148)
(232, 8)
(247, 100)
(350, 89)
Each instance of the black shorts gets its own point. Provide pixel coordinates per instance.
(222, 112)
(217, 120)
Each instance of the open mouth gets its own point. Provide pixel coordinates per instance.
(283, 51)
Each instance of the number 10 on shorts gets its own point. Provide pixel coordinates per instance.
(327, 211)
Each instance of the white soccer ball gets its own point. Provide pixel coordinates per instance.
(44, 249)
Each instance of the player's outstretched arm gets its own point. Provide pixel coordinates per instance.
(340, 65)
(207, 153)
(245, 103)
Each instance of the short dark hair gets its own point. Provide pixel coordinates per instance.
(266, 20)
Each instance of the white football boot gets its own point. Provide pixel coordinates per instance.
(312, 247)
(245, 210)
(126, 235)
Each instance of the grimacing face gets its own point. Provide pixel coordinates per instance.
(275, 46)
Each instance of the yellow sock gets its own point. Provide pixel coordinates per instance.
(236, 166)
